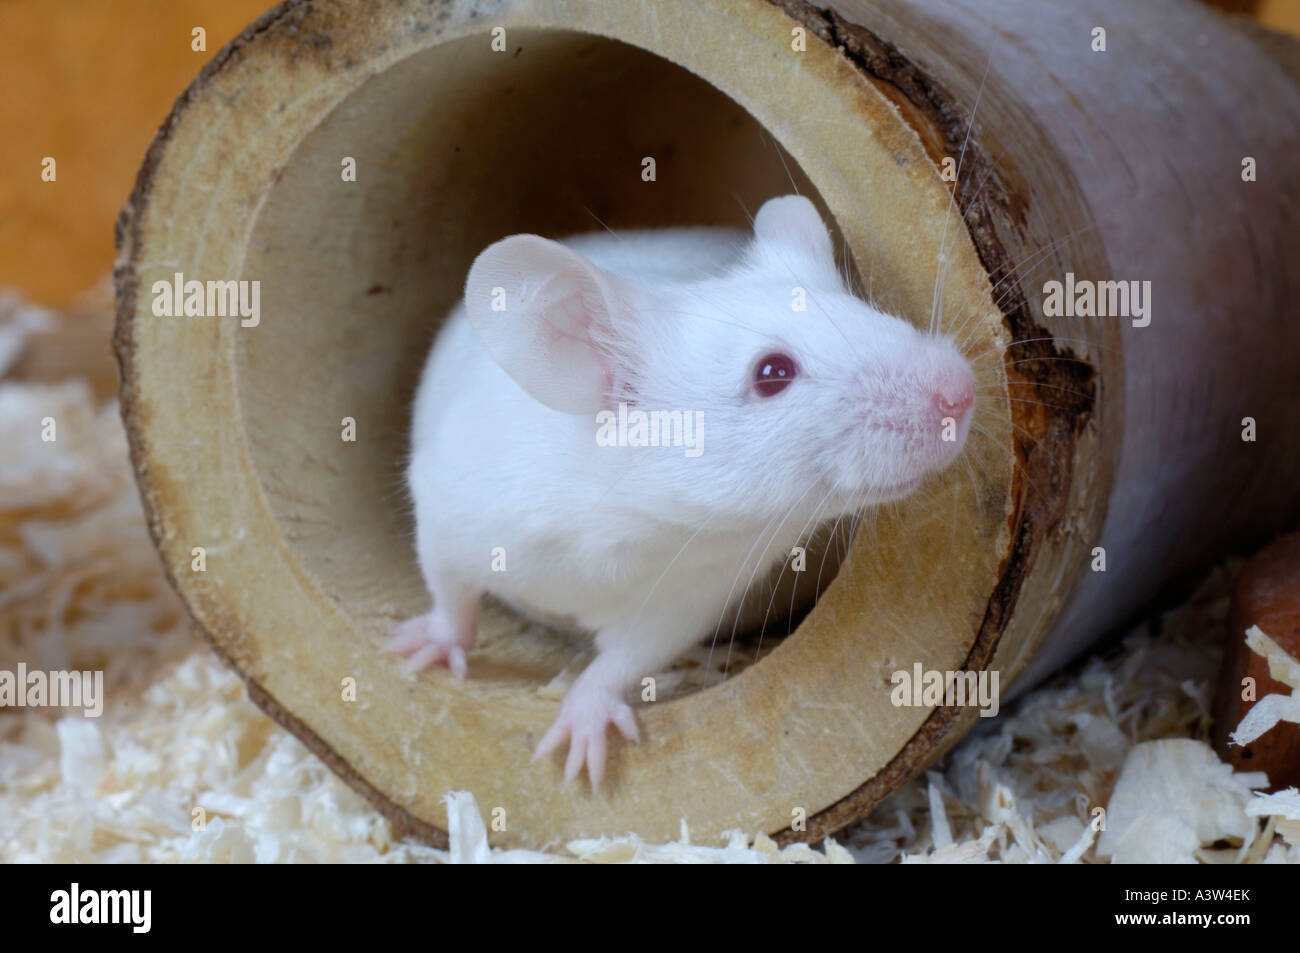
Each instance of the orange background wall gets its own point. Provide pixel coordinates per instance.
(88, 82)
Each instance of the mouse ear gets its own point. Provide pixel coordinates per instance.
(542, 310)
(793, 222)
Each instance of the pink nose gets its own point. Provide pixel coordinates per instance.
(954, 394)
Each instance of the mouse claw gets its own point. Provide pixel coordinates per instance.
(406, 637)
(422, 658)
(577, 757)
(583, 719)
(423, 642)
(625, 721)
(553, 738)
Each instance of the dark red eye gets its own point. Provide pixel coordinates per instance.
(773, 373)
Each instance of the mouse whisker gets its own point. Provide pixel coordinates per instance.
(1016, 272)
(794, 589)
(776, 584)
(730, 599)
(952, 198)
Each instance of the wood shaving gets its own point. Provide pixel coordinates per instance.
(1173, 800)
(1271, 710)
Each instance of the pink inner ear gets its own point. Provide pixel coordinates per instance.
(571, 336)
(568, 312)
(551, 348)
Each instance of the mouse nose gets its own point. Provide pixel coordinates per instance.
(954, 393)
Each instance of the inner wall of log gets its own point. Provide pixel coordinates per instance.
(507, 144)
(234, 440)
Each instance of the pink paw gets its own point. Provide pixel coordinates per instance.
(428, 640)
(584, 715)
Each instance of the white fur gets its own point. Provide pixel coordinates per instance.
(645, 546)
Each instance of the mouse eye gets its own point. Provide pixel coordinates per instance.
(772, 373)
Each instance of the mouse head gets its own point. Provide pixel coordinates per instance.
(810, 396)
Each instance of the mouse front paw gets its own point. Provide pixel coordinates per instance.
(585, 713)
(428, 640)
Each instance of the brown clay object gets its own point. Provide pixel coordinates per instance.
(1266, 593)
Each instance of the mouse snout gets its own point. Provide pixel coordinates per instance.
(913, 415)
(953, 392)
(950, 395)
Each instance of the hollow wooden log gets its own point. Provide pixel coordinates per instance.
(1091, 432)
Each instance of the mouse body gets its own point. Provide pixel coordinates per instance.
(782, 401)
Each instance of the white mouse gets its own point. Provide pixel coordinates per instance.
(805, 414)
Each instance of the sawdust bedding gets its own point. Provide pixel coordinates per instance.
(183, 767)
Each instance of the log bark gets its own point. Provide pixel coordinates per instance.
(1091, 432)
